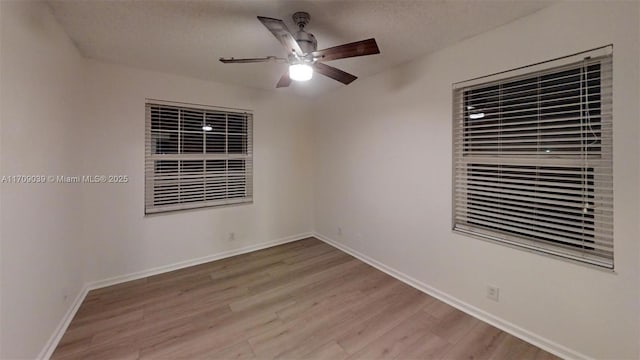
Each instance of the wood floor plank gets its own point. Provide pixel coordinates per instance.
(239, 351)
(72, 349)
(285, 340)
(285, 291)
(400, 338)
(149, 330)
(312, 306)
(251, 266)
(514, 348)
(330, 350)
(217, 337)
(301, 300)
(360, 312)
(352, 279)
(392, 315)
(246, 280)
(453, 324)
(86, 330)
(309, 253)
(479, 343)
(430, 346)
(294, 272)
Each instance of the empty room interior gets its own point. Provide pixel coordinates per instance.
(319, 179)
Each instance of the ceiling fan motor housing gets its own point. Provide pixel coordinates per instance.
(307, 41)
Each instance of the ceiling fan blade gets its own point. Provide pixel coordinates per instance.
(334, 73)
(252, 60)
(279, 29)
(284, 81)
(358, 48)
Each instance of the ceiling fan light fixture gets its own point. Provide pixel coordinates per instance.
(300, 72)
(304, 58)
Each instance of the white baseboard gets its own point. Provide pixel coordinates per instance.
(51, 345)
(506, 326)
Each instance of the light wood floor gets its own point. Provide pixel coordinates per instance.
(302, 300)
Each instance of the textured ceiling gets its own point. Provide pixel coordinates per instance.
(188, 37)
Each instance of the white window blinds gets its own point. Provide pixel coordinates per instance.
(533, 157)
(196, 157)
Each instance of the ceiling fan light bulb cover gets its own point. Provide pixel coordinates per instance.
(300, 72)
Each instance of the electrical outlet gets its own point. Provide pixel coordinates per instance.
(339, 231)
(232, 236)
(493, 293)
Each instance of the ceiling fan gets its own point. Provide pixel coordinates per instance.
(303, 57)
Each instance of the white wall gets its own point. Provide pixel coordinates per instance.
(121, 239)
(383, 173)
(41, 108)
(65, 115)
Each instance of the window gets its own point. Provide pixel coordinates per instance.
(196, 157)
(533, 157)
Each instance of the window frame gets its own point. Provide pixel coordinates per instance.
(245, 156)
(458, 114)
